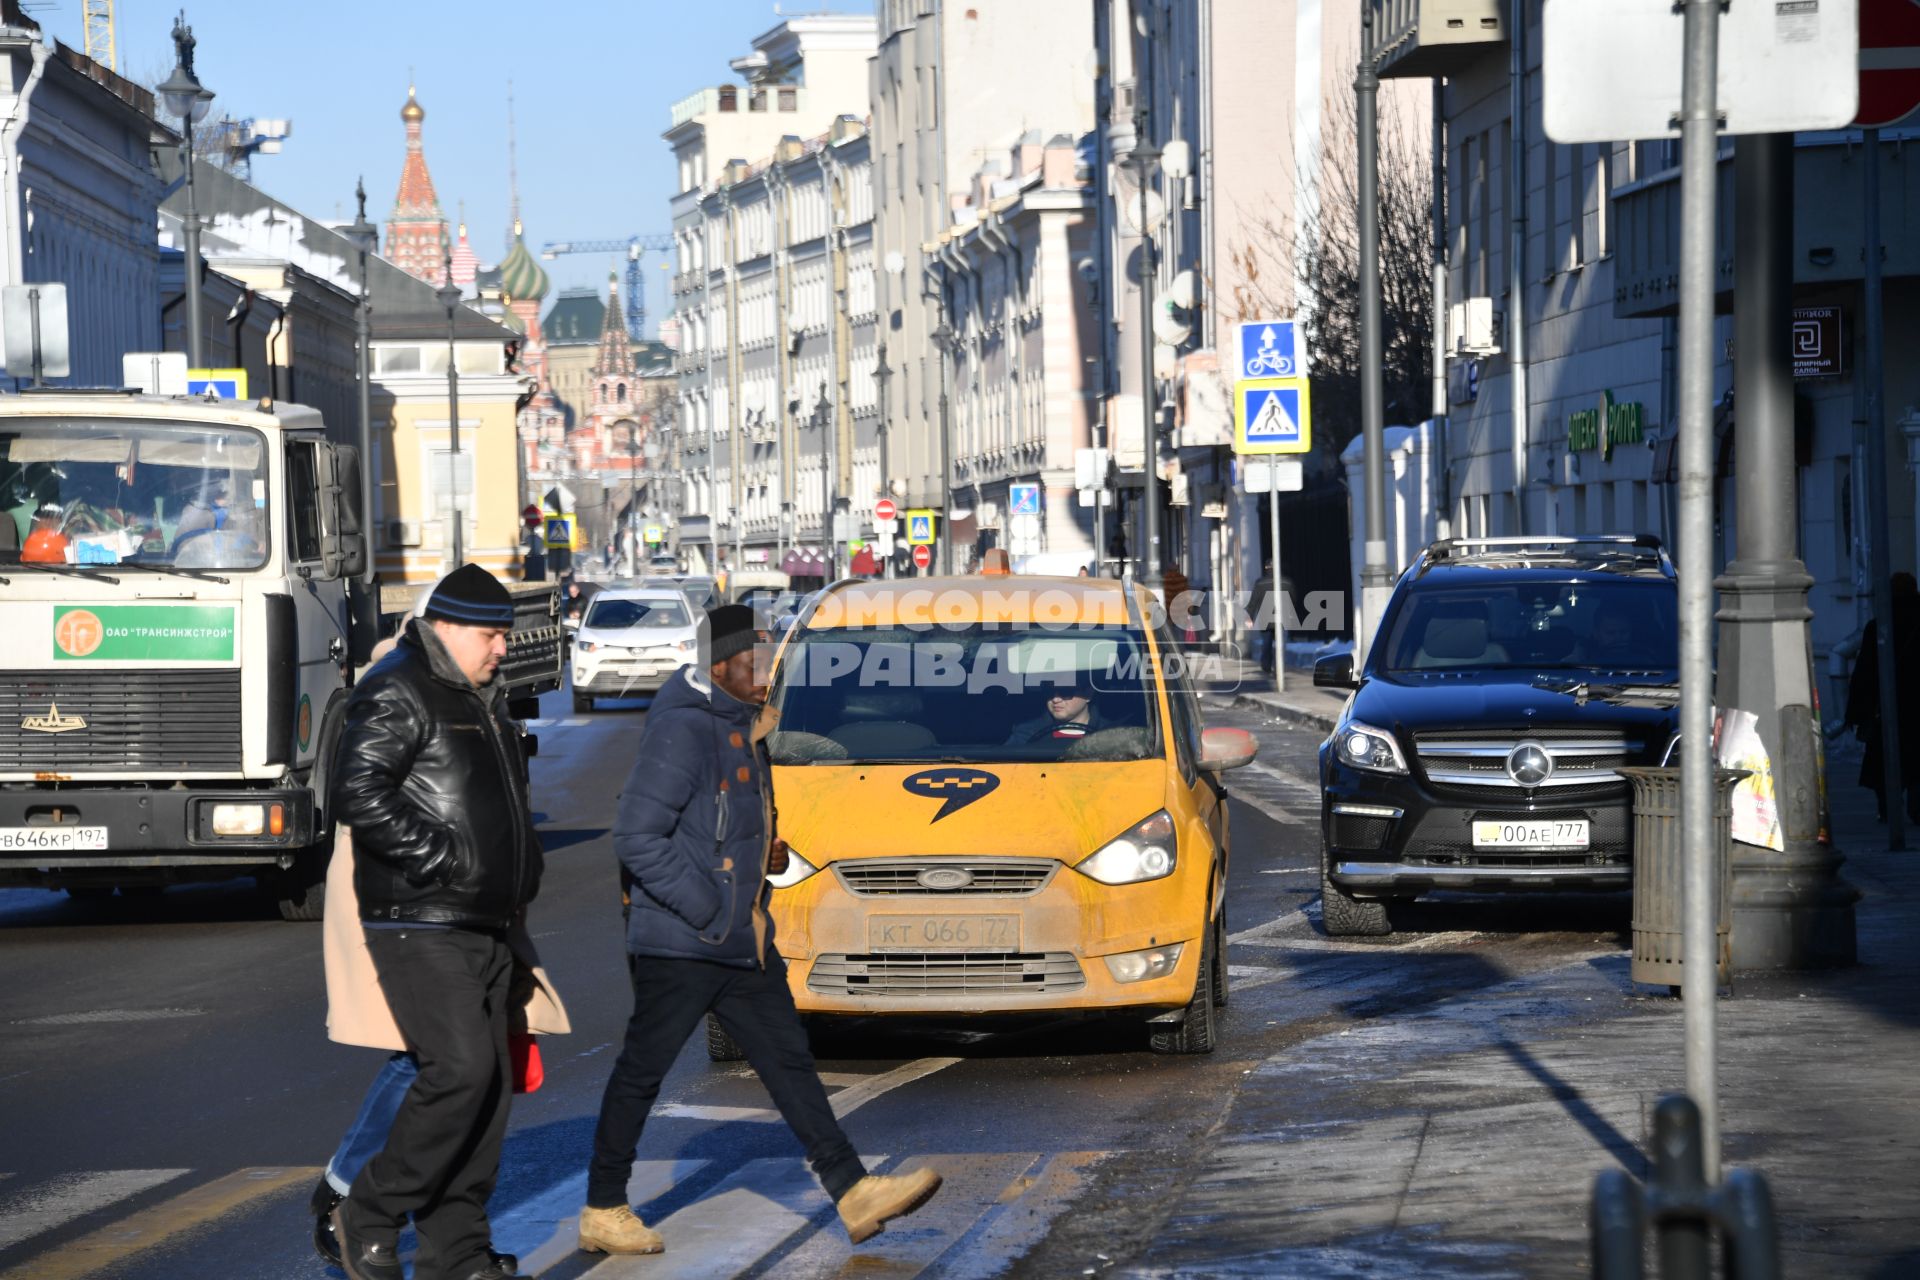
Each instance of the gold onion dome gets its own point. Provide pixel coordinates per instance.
(413, 112)
(520, 274)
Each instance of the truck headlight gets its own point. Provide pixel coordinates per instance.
(1144, 852)
(798, 869)
(248, 820)
(1364, 747)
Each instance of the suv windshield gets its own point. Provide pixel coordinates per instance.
(618, 615)
(94, 492)
(965, 694)
(1591, 625)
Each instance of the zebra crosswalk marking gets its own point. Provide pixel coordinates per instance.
(43, 1208)
(543, 1229)
(725, 1232)
(141, 1232)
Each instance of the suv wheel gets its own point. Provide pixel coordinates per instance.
(582, 703)
(1346, 916)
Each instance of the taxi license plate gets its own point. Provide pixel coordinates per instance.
(1531, 833)
(943, 933)
(52, 838)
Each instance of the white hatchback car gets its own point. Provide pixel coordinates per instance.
(631, 640)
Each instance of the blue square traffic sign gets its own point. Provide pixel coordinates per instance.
(1023, 499)
(1269, 349)
(1273, 416)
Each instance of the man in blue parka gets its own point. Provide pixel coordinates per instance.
(697, 838)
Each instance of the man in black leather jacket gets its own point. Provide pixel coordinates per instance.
(431, 779)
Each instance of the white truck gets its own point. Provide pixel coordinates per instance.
(177, 603)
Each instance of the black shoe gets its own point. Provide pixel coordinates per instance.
(503, 1267)
(325, 1243)
(363, 1259)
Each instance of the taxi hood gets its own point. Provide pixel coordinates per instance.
(1055, 809)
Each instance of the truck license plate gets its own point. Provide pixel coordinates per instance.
(52, 838)
(943, 933)
(1531, 833)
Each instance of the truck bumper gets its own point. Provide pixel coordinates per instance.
(155, 828)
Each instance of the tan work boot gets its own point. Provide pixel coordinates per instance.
(617, 1230)
(873, 1200)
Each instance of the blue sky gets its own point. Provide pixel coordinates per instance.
(603, 70)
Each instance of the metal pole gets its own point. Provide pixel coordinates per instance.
(363, 324)
(453, 426)
(1279, 601)
(1879, 547)
(1519, 404)
(1443, 495)
(946, 452)
(1149, 410)
(190, 230)
(1375, 580)
(1699, 154)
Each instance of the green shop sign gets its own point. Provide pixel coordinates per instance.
(143, 633)
(1603, 428)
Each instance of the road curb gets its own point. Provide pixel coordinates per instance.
(1272, 706)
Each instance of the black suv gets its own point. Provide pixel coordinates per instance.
(1508, 680)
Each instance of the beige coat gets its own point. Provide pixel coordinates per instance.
(357, 1009)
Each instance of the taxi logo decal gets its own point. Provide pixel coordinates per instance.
(957, 788)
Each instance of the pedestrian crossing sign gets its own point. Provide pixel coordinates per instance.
(920, 528)
(1272, 415)
(560, 531)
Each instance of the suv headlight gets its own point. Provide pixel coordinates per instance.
(1144, 852)
(1364, 747)
(585, 646)
(798, 869)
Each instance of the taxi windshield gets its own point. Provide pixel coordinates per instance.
(93, 492)
(965, 694)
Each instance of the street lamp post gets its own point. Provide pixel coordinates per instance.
(882, 375)
(1376, 580)
(823, 418)
(449, 295)
(362, 235)
(942, 338)
(1142, 159)
(189, 100)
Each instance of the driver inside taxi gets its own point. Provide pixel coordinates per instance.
(1070, 714)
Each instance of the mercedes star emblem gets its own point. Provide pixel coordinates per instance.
(1529, 764)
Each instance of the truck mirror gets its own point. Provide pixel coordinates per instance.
(348, 516)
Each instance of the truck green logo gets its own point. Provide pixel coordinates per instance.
(143, 632)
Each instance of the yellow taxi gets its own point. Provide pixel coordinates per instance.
(1000, 799)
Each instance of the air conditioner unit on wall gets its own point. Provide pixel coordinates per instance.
(403, 533)
(1473, 328)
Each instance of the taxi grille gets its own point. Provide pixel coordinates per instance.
(900, 877)
(185, 721)
(906, 974)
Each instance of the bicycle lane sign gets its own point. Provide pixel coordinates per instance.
(1270, 349)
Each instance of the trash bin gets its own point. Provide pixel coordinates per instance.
(1659, 873)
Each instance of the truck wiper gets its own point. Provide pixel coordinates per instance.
(73, 570)
(201, 574)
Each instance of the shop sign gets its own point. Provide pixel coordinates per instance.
(1607, 426)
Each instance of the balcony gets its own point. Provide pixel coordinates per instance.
(1417, 38)
(1829, 244)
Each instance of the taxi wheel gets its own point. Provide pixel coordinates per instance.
(1220, 961)
(582, 702)
(1197, 1033)
(722, 1047)
(1346, 916)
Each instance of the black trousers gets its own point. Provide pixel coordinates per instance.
(447, 989)
(670, 997)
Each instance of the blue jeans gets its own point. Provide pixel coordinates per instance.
(368, 1132)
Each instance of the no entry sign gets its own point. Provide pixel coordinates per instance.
(1889, 61)
(922, 556)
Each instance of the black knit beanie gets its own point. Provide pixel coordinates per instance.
(470, 596)
(731, 630)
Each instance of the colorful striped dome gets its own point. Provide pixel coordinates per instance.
(520, 275)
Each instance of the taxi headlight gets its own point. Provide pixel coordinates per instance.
(1138, 966)
(1364, 747)
(1144, 852)
(798, 869)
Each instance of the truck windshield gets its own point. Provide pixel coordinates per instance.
(92, 492)
(1594, 625)
(965, 694)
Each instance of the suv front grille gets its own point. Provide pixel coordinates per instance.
(900, 877)
(140, 720)
(899, 974)
(1474, 762)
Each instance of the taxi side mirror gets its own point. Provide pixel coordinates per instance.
(1334, 672)
(1223, 749)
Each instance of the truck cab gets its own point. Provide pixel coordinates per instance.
(174, 602)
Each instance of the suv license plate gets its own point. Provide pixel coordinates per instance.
(1532, 833)
(52, 838)
(943, 933)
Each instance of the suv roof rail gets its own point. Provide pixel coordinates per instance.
(1446, 547)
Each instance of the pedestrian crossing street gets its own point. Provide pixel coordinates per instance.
(765, 1217)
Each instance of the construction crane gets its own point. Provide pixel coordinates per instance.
(101, 44)
(636, 248)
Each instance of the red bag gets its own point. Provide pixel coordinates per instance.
(528, 1074)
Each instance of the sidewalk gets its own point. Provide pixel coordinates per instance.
(1462, 1139)
(1298, 704)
